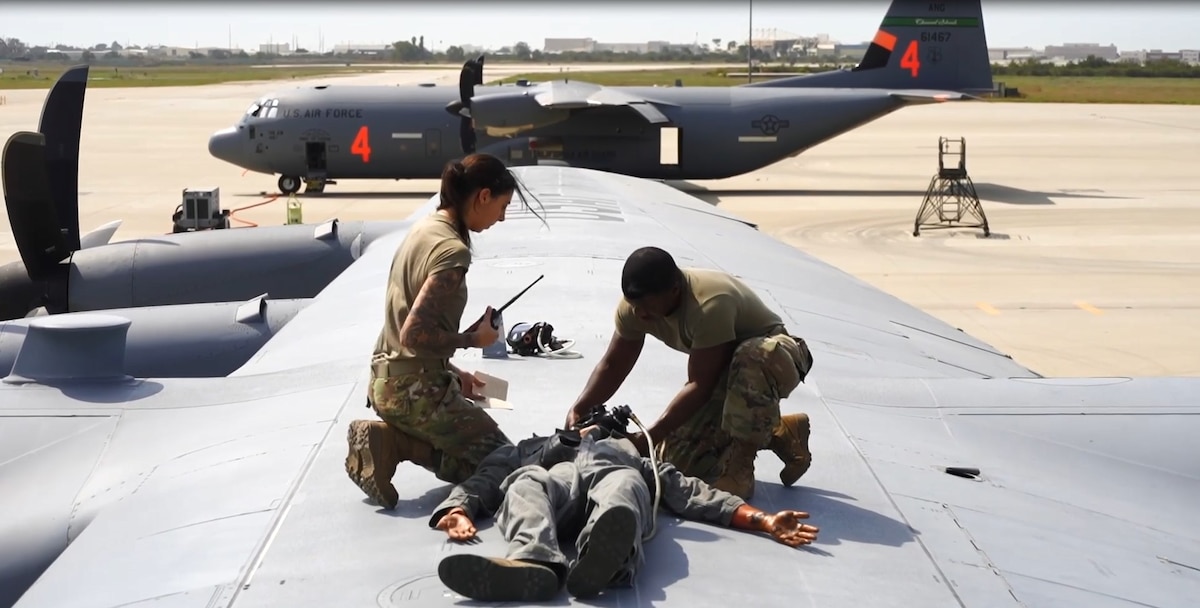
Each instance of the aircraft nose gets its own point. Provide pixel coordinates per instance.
(225, 145)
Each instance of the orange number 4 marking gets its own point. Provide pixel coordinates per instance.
(362, 145)
(911, 60)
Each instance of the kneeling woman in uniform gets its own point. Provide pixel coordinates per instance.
(424, 400)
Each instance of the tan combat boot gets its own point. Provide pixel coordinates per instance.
(737, 470)
(372, 459)
(790, 444)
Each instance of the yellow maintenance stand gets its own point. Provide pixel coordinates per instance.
(295, 211)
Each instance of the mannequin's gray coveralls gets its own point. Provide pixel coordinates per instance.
(542, 488)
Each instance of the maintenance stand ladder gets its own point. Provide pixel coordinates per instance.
(951, 195)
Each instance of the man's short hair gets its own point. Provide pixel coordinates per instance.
(648, 271)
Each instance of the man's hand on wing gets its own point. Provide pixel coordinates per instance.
(457, 525)
(786, 527)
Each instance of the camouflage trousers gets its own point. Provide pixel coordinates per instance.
(744, 405)
(431, 407)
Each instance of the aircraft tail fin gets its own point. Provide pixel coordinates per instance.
(921, 44)
(61, 124)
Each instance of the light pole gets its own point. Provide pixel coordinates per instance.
(750, 42)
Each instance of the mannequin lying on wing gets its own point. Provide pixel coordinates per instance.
(589, 482)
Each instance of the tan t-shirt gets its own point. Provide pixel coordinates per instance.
(431, 245)
(716, 308)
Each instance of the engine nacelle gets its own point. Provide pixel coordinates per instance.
(511, 112)
(291, 261)
(183, 341)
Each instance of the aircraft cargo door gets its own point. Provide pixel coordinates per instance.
(668, 150)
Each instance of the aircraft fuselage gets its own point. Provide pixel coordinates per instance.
(327, 133)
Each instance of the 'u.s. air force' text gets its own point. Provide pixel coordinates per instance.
(323, 113)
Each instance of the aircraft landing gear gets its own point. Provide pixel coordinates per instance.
(289, 184)
(315, 186)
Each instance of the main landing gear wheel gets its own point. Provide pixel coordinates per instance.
(289, 184)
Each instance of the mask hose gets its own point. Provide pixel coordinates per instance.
(563, 352)
(657, 478)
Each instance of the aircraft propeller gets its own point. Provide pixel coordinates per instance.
(468, 79)
(39, 279)
(41, 192)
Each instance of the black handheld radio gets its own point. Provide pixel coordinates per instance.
(496, 313)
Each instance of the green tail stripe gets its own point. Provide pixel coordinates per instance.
(932, 21)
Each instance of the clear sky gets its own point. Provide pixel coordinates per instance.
(1130, 25)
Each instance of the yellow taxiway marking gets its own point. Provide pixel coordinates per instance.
(1089, 307)
(988, 308)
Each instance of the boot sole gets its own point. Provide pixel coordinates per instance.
(361, 468)
(489, 580)
(608, 547)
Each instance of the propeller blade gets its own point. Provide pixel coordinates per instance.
(468, 79)
(61, 124)
(478, 70)
(466, 134)
(466, 84)
(31, 212)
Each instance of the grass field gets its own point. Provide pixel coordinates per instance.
(1045, 89)
(19, 76)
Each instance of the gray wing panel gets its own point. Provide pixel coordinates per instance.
(187, 490)
(334, 550)
(44, 462)
(1087, 488)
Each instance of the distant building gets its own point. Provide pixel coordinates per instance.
(568, 45)
(852, 51)
(361, 49)
(1075, 51)
(1009, 54)
(1161, 55)
(275, 48)
(1190, 56)
(621, 47)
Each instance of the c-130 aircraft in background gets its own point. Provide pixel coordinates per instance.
(924, 52)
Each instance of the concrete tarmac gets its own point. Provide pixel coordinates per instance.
(1092, 269)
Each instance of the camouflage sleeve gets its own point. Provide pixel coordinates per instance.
(481, 493)
(691, 498)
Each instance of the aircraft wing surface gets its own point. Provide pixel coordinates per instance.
(570, 95)
(231, 491)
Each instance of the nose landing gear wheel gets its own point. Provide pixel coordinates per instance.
(289, 184)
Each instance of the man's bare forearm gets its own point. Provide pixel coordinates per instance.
(748, 517)
(602, 384)
(685, 405)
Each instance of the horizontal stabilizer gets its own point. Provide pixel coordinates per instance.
(916, 96)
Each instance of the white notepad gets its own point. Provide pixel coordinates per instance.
(494, 391)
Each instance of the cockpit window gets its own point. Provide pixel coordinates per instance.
(264, 108)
